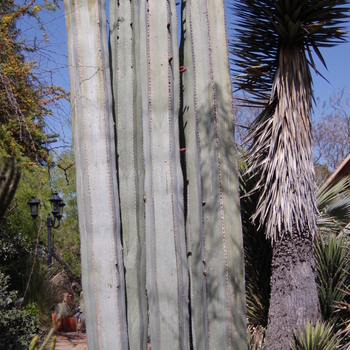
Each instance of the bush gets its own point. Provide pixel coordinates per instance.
(17, 328)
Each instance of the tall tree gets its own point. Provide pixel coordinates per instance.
(273, 56)
(26, 99)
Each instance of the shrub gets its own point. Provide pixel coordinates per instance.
(17, 328)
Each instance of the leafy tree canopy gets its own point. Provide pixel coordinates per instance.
(25, 99)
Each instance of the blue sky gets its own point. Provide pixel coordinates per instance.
(337, 59)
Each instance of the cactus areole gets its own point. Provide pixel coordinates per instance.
(157, 192)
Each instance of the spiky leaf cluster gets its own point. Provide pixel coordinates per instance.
(333, 202)
(264, 26)
(318, 337)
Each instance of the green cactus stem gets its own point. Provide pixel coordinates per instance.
(97, 190)
(213, 216)
(34, 343)
(125, 68)
(166, 275)
(53, 343)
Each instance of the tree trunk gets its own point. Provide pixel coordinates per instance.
(294, 297)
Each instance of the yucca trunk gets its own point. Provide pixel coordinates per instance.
(289, 193)
(294, 299)
(97, 190)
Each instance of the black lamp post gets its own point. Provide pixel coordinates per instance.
(56, 210)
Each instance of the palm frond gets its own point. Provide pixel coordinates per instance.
(334, 206)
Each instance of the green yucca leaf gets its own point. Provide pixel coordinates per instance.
(343, 309)
(333, 203)
(326, 195)
(318, 337)
(331, 273)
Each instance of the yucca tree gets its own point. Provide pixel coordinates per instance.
(276, 44)
(331, 258)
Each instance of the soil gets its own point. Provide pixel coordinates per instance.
(70, 341)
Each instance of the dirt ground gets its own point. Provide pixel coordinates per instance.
(70, 341)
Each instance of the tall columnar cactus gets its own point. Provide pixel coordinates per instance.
(213, 220)
(167, 277)
(180, 227)
(126, 81)
(10, 173)
(97, 190)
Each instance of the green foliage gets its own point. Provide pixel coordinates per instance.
(39, 182)
(333, 202)
(25, 99)
(332, 274)
(66, 237)
(32, 310)
(15, 249)
(9, 177)
(46, 290)
(34, 182)
(17, 327)
(257, 253)
(318, 337)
